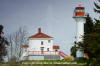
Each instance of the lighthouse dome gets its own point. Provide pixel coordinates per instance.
(79, 11)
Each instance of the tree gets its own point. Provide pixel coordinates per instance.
(3, 45)
(92, 42)
(1, 28)
(97, 26)
(88, 26)
(73, 51)
(88, 29)
(16, 41)
(92, 46)
(97, 7)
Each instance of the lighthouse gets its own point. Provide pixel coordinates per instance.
(80, 18)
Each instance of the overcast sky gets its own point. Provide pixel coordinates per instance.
(53, 16)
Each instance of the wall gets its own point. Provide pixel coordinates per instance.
(35, 44)
(36, 57)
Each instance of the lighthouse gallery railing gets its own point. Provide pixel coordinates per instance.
(43, 53)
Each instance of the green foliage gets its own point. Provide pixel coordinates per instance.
(3, 43)
(97, 8)
(88, 26)
(73, 50)
(1, 27)
(48, 61)
(97, 26)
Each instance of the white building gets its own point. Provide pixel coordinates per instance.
(40, 42)
(41, 48)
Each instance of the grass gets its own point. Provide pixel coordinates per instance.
(42, 61)
(52, 65)
(52, 62)
(47, 63)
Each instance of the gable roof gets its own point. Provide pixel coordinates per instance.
(40, 35)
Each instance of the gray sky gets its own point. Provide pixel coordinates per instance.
(53, 16)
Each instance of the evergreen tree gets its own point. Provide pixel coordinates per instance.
(97, 7)
(92, 45)
(88, 26)
(1, 28)
(97, 26)
(73, 51)
(3, 43)
(88, 29)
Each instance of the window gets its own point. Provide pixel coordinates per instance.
(41, 42)
(49, 41)
(56, 50)
(47, 49)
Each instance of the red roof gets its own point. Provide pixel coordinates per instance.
(40, 35)
(55, 47)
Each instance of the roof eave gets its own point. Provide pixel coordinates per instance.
(41, 38)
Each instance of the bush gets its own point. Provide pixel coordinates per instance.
(69, 58)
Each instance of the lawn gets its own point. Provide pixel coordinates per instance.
(46, 63)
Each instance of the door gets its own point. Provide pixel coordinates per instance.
(42, 50)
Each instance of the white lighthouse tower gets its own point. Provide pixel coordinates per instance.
(80, 18)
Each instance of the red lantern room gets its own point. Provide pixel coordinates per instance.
(79, 11)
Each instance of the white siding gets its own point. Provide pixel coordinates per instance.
(35, 44)
(80, 27)
(79, 33)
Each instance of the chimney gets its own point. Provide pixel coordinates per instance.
(39, 30)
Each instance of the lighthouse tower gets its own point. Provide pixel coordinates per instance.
(80, 18)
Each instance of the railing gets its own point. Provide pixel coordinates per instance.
(62, 54)
(43, 53)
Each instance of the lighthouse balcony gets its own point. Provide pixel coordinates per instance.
(43, 53)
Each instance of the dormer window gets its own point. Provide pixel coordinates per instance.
(41, 42)
(47, 49)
